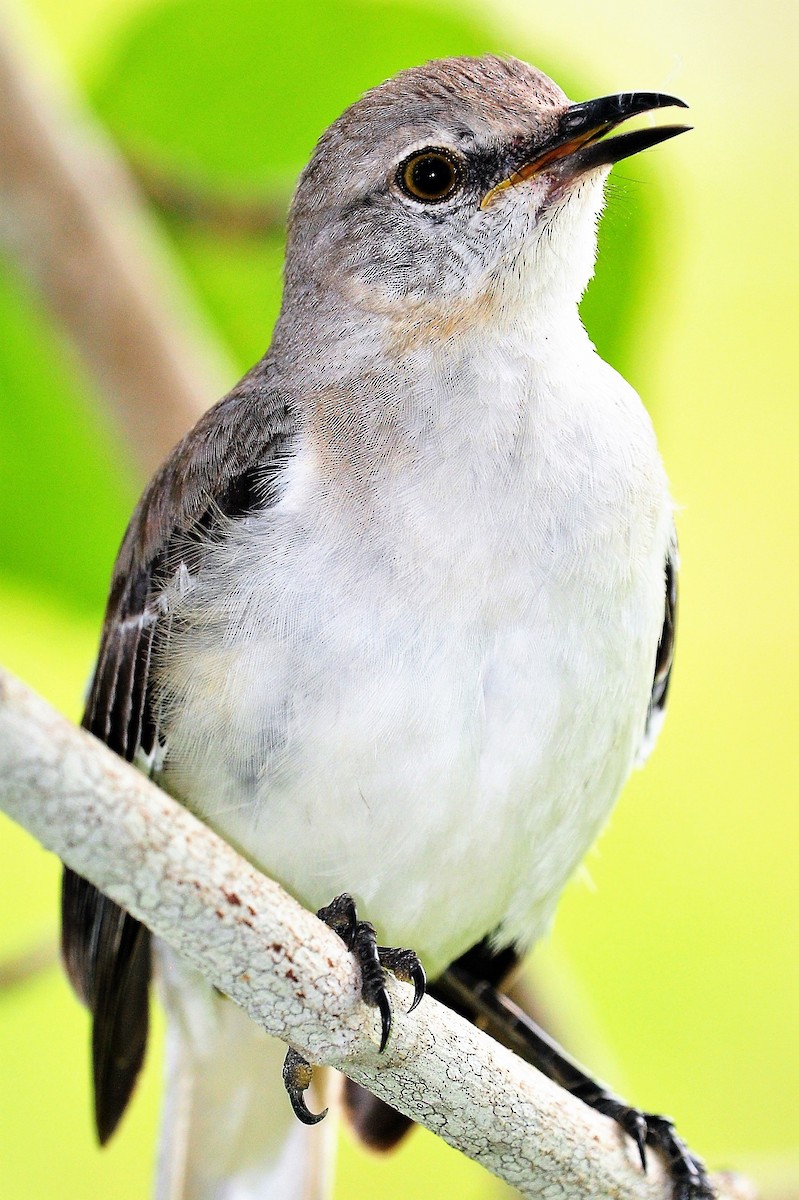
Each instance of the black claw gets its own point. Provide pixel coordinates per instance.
(419, 980)
(303, 1112)
(637, 1130)
(631, 1120)
(407, 967)
(384, 1004)
(297, 1075)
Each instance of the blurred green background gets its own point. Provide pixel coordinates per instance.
(674, 974)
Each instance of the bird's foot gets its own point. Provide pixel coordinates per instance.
(297, 1075)
(360, 939)
(688, 1172)
(517, 1030)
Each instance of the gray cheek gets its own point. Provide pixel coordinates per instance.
(416, 255)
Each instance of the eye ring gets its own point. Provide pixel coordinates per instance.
(430, 176)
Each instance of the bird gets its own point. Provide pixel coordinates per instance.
(397, 616)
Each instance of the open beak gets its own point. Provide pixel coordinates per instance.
(581, 128)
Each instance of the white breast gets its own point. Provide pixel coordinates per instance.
(431, 700)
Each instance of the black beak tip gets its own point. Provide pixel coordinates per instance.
(671, 102)
(633, 104)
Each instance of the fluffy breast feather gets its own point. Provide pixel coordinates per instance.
(429, 693)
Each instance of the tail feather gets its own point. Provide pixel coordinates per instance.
(228, 1132)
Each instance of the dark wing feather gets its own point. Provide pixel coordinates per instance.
(224, 469)
(664, 659)
(107, 955)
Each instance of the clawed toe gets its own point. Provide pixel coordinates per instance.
(631, 1120)
(297, 1074)
(636, 1127)
(647, 1129)
(360, 939)
(384, 1004)
(691, 1180)
(407, 967)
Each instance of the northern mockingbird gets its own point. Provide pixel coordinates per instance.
(397, 616)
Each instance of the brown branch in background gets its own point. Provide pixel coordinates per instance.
(72, 218)
(193, 202)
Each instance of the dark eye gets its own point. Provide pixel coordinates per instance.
(429, 175)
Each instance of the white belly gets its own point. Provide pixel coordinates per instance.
(435, 710)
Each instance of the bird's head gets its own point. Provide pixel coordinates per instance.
(459, 189)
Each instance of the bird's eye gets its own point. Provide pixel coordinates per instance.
(429, 175)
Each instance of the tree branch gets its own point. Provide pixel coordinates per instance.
(194, 202)
(72, 217)
(293, 975)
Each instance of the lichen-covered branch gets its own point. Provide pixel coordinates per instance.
(292, 974)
